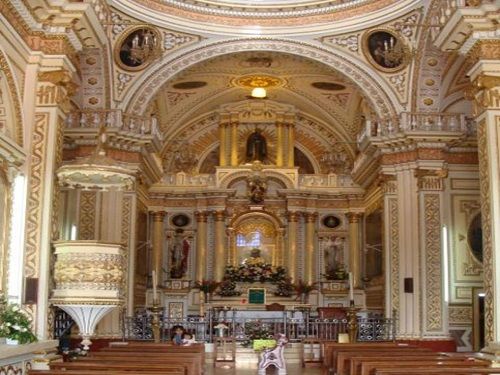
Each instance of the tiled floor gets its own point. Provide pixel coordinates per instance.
(244, 369)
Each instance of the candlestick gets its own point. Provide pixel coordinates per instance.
(155, 281)
(351, 287)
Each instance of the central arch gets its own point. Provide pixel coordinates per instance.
(378, 94)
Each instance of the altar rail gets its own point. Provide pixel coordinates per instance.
(139, 327)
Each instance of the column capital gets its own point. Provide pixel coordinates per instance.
(310, 216)
(431, 179)
(354, 217)
(219, 215)
(201, 216)
(484, 49)
(158, 215)
(293, 216)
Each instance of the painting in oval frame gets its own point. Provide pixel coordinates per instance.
(123, 46)
(386, 50)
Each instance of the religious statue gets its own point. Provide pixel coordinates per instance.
(256, 146)
(334, 252)
(179, 255)
(257, 187)
(255, 258)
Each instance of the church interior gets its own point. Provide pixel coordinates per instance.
(295, 174)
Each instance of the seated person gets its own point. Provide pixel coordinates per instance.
(178, 335)
(188, 340)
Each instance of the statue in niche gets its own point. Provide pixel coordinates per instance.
(179, 254)
(333, 253)
(256, 146)
(255, 258)
(257, 184)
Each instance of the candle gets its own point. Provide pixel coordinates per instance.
(155, 281)
(351, 288)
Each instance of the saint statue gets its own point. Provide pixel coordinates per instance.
(179, 255)
(257, 187)
(255, 258)
(256, 146)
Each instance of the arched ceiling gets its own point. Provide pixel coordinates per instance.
(315, 90)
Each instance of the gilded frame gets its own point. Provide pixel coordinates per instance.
(5, 226)
(365, 46)
(123, 37)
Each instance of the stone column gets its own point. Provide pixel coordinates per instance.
(201, 244)
(220, 245)
(280, 247)
(46, 139)
(354, 247)
(158, 244)
(310, 256)
(293, 218)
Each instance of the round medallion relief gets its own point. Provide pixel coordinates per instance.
(386, 50)
(180, 220)
(331, 221)
(137, 47)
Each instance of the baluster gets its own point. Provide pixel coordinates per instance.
(109, 119)
(453, 123)
(440, 123)
(83, 120)
(413, 125)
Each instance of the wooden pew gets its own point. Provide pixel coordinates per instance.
(196, 359)
(370, 349)
(180, 371)
(330, 349)
(349, 363)
(104, 366)
(443, 370)
(370, 368)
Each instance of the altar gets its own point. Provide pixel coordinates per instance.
(241, 316)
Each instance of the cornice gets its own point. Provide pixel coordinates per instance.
(170, 17)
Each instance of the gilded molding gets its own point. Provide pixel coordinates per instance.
(201, 216)
(460, 314)
(484, 49)
(354, 217)
(220, 215)
(484, 93)
(293, 216)
(430, 179)
(86, 217)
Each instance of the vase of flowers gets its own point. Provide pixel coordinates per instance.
(15, 325)
(302, 289)
(207, 287)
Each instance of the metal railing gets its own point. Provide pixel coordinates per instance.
(296, 329)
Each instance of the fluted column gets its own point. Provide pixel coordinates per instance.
(220, 245)
(279, 248)
(223, 144)
(293, 218)
(158, 243)
(291, 142)
(280, 143)
(354, 246)
(201, 244)
(234, 144)
(309, 248)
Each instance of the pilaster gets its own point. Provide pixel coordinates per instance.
(52, 104)
(293, 218)
(201, 244)
(220, 244)
(431, 185)
(310, 246)
(354, 246)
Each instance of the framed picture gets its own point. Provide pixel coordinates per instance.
(180, 220)
(257, 296)
(475, 238)
(386, 50)
(331, 221)
(127, 45)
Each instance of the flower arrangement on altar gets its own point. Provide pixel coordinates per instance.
(227, 288)
(337, 273)
(301, 287)
(255, 273)
(14, 323)
(256, 331)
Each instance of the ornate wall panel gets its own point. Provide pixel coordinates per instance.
(87, 218)
(485, 186)
(433, 275)
(393, 251)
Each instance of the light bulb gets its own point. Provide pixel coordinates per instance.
(259, 92)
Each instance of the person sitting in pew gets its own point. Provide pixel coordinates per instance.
(188, 340)
(178, 335)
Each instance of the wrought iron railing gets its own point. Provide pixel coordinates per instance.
(241, 328)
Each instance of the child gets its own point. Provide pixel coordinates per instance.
(188, 340)
(178, 335)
